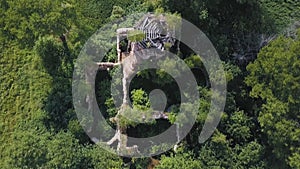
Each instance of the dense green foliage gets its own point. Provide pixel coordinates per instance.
(40, 41)
(275, 79)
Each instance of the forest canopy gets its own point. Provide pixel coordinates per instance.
(258, 42)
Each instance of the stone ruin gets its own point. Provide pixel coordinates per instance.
(157, 33)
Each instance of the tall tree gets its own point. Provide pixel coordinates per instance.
(275, 79)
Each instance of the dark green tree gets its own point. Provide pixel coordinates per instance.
(274, 78)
